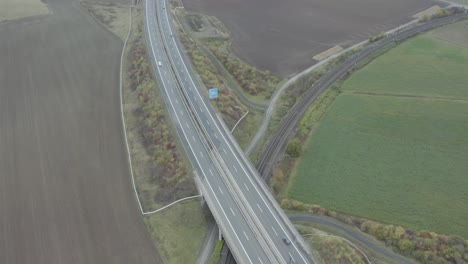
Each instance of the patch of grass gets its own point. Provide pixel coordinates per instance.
(437, 67)
(247, 128)
(462, 2)
(393, 145)
(396, 160)
(329, 248)
(424, 246)
(179, 232)
(113, 16)
(195, 21)
(291, 96)
(165, 172)
(254, 84)
(228, 104)
(313, 114)
(456, 34)
(141, 159)
(321, 233)
(257, 85)
(306, 127)
(217, 252)
(16, 9)
(161, 169)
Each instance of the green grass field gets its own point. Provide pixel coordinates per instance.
(394, 145)
(462, 2)
(179, 232)
(16, 9)
(114, 17)
(425, 66)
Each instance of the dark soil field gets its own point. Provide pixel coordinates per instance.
(65, 190)
(283, 36)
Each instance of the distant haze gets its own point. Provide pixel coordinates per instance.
(283, 36)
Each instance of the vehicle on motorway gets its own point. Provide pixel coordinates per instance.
(286, 241)
(159, 64)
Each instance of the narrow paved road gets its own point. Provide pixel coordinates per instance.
(353, 234)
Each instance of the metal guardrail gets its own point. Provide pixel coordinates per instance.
(243, 204)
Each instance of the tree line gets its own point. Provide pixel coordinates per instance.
(169, 171)
(424, 246)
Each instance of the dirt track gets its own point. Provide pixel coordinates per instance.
(65, 190)
(283, 36)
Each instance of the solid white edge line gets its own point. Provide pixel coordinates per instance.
(175, 113)
(235, 156)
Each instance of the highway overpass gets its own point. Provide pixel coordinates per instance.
(252, 223)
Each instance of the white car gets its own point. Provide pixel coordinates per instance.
(159, 64)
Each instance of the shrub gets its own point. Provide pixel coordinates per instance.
(424, 246)
(294, 148)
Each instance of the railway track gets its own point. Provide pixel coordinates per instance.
(278, 143)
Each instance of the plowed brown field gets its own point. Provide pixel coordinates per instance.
(65, 190)
(283, 36)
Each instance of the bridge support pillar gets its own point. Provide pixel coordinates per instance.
(220, 235)
(198, 184)
(202, 200)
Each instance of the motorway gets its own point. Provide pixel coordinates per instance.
(248, 216)
(280, 139)
(198, 154)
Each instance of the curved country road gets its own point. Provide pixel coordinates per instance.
(65, 188)
(353, 234)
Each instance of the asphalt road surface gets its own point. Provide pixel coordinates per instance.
(352, 233)
(65, 189)
(192, 141)
(251, 221)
